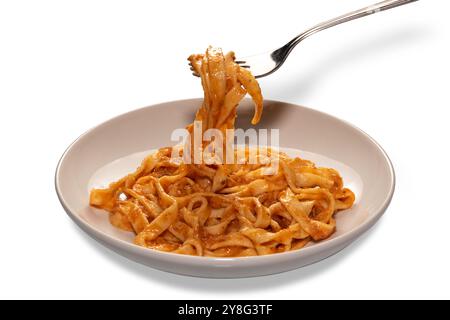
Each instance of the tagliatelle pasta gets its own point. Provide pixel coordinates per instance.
(225, 210)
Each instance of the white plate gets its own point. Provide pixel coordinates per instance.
(117, 146)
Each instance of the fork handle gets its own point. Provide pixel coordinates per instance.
(381, 6)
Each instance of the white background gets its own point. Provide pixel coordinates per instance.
(66, 66)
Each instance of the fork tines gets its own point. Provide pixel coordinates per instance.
(241, 63)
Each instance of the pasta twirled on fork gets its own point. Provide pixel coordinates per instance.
(225, 210)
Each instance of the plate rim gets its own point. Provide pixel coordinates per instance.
(324, 245)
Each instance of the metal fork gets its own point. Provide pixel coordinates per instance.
(264, 64)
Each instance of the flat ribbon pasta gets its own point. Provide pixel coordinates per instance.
(230, 210)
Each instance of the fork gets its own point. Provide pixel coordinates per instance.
(264, 64)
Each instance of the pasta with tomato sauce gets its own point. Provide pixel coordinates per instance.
(225, 210)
